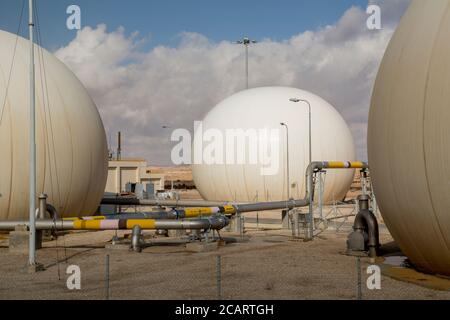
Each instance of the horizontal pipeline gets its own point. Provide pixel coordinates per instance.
(162, 203)
(214, 223)
(249, 207)
(172, 214)
(152, 222)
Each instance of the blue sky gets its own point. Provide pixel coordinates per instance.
(165, 19)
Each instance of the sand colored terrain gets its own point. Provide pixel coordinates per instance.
(270, 265)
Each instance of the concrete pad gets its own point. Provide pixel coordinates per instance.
(201, 246)
(118, 246)
(176, 233)
(38, 267)
(18, 242)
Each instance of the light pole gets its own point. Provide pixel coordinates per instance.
(310, 191)
(246, 42)
(287, 158)
(32, 147)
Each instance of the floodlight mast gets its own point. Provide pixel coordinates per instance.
(246, 42)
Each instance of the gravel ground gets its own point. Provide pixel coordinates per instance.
(270, 265)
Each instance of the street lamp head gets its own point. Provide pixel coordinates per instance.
(294, 100)
(246, 41)
(283, 124)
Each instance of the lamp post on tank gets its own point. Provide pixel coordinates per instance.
(287, 158)
(310, 192)
(246, 42)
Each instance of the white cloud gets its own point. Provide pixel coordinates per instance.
(137, 91)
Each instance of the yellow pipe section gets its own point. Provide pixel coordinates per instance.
(196, 212)
(344, 165)
(86, 224)
(148, 224)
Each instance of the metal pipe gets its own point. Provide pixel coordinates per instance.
(308, 200)
(136, 243)
(52, 211)
(216, 223)
(320, 165)
(172, 214)
(366, 221)
(42, 205)
(162, 203)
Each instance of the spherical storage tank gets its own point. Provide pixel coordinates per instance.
(70, 138)
(255, 115)
(409, 136)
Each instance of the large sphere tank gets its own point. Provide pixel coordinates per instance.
(257, 114)
(409, 136)
(70, 138)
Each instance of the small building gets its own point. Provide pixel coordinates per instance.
(121, 172)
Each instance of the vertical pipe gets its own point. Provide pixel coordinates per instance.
(363, 175)
(311, 200)
(136, 244)
(32, 146)
(42, 205)
(320, 200)
(41, 215)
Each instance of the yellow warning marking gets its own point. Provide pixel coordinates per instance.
(143, 223)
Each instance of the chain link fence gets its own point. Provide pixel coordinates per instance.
(265, 273)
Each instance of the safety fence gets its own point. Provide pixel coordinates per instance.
(279, 271)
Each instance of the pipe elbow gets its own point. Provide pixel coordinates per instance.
(365, 220)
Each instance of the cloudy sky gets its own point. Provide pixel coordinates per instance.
(153, 63)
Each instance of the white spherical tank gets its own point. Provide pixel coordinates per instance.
(255, 116)
(70, 137)
(409, 136)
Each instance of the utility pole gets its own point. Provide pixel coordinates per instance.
(246, 42)
(32, 147)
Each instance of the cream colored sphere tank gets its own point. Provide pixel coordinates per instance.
(70, 137)
(257, 113)
(409, 136)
